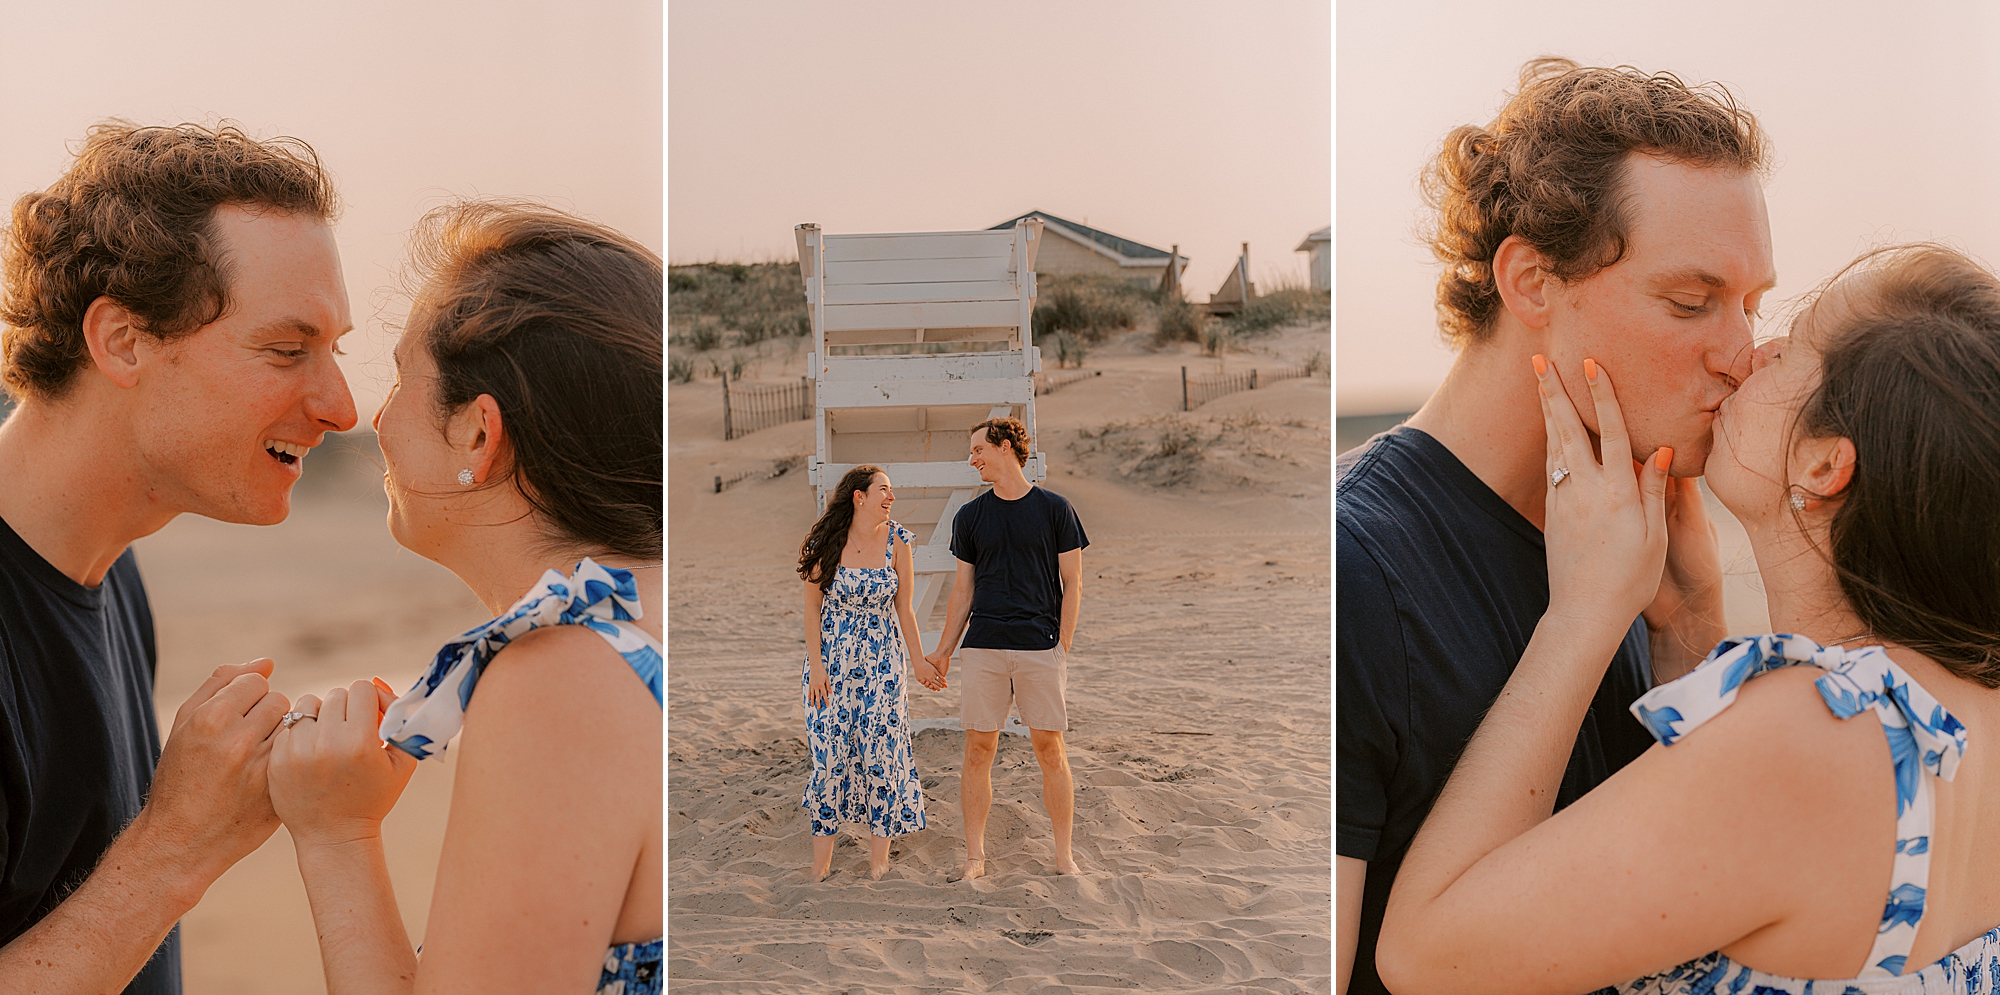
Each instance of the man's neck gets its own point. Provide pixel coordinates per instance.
(1488, 415)
(1013, 484)
(72, 490)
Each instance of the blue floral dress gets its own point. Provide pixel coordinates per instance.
(426, 719)
(863, 767)
(1925, 741)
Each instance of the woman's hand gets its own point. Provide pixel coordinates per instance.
(1606, 528)
(819, 688)
(927, 675)
(332, 778)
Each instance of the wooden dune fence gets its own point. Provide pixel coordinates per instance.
(1200, 389)
(748, 407)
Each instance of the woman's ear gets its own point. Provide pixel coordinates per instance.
(1829, 468)
(1523, 282)
(479, 434)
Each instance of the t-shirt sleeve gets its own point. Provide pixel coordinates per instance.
(1370, 678)
(1069, 529)
(962, 545)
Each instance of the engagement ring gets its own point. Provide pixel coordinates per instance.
(292, 718)
(1556, 475)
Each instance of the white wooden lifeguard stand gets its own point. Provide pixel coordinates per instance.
(911, 412)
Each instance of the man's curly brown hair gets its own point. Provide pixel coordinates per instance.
(133, 220)
(1550, 168)
(1006, 431)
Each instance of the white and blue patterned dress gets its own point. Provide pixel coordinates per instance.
(864, 769)
(427, 717)
(1925, 741)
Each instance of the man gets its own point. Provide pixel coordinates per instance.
(171, 307)
(1020, 579)
(1605, 216)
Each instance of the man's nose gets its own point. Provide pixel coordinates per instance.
(330, 402)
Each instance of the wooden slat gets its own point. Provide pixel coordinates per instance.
(958, 314)
(927, 245)
(932, 559)
(911, 293)
(904, 393)
(944, 366)
(950, 270)
(906, 475)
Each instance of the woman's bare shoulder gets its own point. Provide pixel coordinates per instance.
(560, 668)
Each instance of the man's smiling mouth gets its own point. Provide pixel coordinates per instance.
(285, 452)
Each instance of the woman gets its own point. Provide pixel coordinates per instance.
(861, 643)
(1822, 802)
(523, 451)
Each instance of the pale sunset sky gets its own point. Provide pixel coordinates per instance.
(1881, 119)
(1166, 121)
(408, 104)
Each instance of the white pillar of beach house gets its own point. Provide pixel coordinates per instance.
(892, 396)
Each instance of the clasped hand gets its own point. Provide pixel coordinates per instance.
(332, 778)
(1606, 523)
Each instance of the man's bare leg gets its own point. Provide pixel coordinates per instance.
(1058, 793)
(823, 856)
(975, 798)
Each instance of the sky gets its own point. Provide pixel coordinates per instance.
(408, 104)
(1881, 118)
(1165, 122)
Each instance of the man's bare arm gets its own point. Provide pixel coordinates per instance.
(1349, 874)
(1069, 566)
(956, 612)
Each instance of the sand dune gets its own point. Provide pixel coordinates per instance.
(1200, 718)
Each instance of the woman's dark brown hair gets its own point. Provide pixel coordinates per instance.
(133, 220)
(1550, 169)
(819, 555)
(1910, 373)
(559, 319)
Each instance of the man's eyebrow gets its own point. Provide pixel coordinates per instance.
(296, 325)
(1696, 274)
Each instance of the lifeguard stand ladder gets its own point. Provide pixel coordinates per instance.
(909, 410)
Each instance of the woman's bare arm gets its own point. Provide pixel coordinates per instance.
(558, 780)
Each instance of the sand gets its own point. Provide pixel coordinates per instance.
(1200, 728)
(332, 598)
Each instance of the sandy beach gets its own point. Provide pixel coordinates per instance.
(1199, 714)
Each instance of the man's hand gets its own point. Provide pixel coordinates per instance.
(1686, 618)
(210, 804)
(927, 674)
(940, 661)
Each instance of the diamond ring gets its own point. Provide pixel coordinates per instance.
(292, 718)
(1557, 475)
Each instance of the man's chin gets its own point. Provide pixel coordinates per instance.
(267, 513)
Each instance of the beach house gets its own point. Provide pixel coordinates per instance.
(1319, 266)
(1077, 248)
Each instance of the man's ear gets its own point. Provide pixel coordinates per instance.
(1829, 468)
(112, 335)
(477, 431)
(1523, 282)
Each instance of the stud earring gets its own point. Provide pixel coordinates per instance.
(1798, 501)
(465, 478)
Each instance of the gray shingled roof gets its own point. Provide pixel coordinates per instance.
(1123, 246)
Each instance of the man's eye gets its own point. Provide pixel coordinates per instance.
(1688, 309)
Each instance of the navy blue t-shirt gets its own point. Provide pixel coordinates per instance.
(78, 737)
(1016, 587)
(1439, 583)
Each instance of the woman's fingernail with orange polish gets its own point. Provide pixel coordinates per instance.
(1664, 458)
(1590, 370)
(1541, 367)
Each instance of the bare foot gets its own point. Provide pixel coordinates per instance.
(1067, 865)
(875, 871)
(975, 867)
(820, 873)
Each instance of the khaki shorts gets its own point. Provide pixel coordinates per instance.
(1032, 679)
